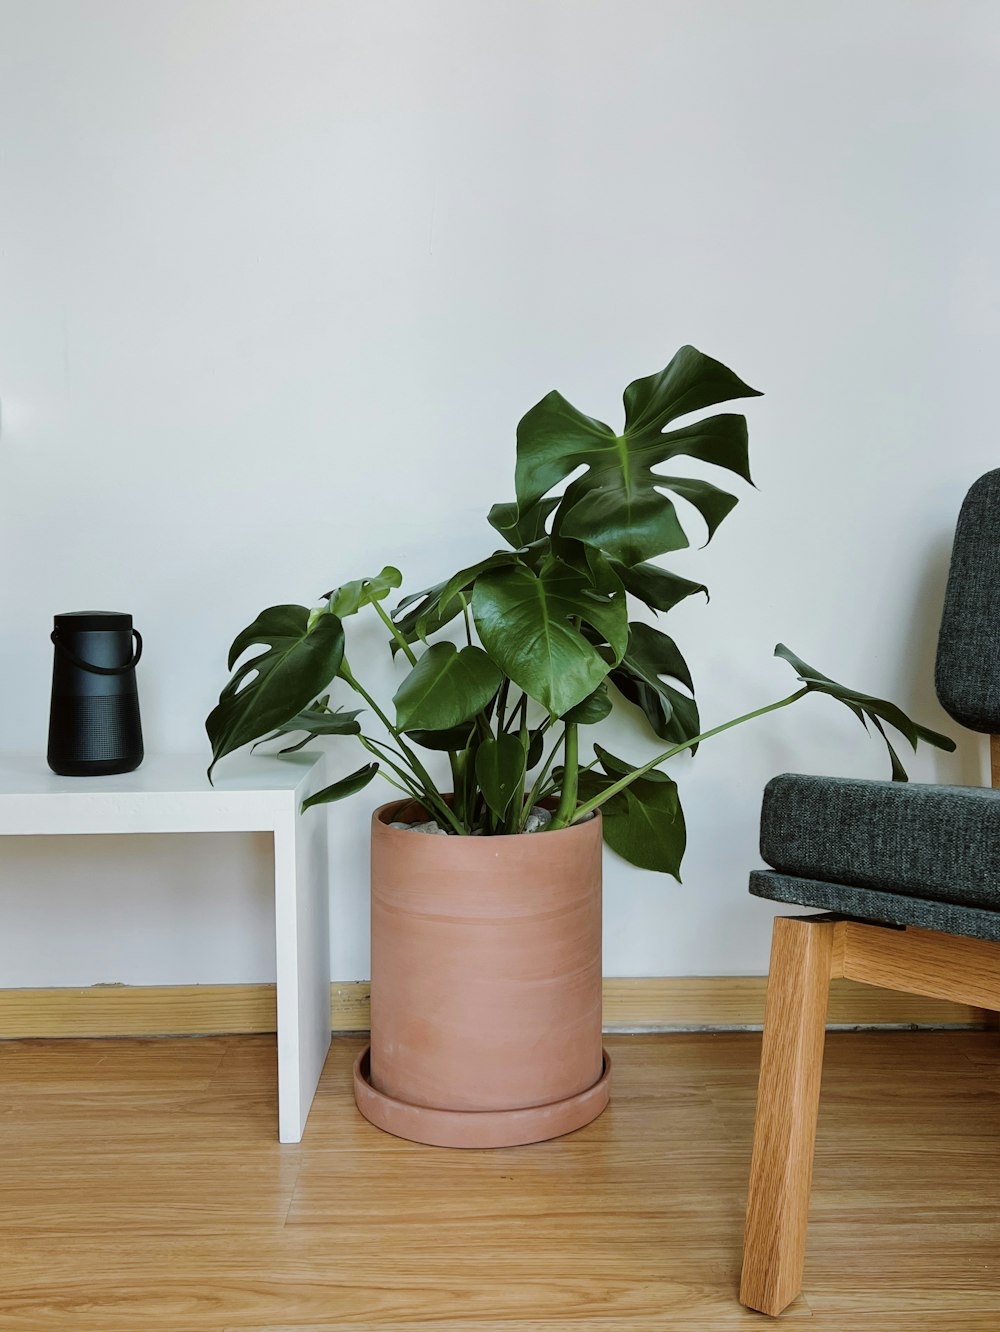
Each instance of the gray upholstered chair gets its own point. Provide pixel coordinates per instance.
(912, 875)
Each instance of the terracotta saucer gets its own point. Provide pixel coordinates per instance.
(478, 1128)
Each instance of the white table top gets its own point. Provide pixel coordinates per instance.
(166, 793)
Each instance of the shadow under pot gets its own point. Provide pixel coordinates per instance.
(94, 726)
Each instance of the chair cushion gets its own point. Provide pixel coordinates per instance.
(870, 904)
(937, 843)
(965, 672)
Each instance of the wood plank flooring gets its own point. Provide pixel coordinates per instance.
(142, 1188)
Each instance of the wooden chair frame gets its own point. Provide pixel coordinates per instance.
(807, 952)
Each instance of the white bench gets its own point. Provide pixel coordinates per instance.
(170, 794)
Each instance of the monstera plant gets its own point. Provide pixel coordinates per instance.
(510, 662)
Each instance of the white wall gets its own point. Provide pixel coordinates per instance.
(278, 279)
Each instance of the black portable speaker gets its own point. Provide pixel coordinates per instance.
(94, 726)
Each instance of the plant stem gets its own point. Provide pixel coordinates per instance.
(512, 818)
(623, 783)
(502, 703)
(571, 777)
(550, 787)
(518, 715)
(347, 674)
(458, 763)
(465, 612)
(432, 795)
(392, 782)
(410, 654)
(538, 784)
(411, 788)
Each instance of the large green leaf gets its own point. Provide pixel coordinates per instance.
(500, 768)
(660, 589)
(645, 822)
(464, 581)
(601, 573)
(690, 382)
(529, 624)
(424, 613)
(522, 529)
(350, 597)
(445, 688)
(590, 785)
(712, 503)
(639, 677)
(536, 746)
(419, 614)
(867, 708)
(315, 721)
(617, 504)
(456, 738)
(274, 686)
(356, 781)
(594, 708)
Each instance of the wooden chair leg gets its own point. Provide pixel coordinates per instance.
(787, 1105)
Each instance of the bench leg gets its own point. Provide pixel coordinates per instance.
(787, 1105)
(302, 937)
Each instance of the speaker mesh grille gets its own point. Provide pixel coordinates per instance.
(95, 730)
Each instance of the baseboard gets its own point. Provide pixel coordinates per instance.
(630, 1004)
(138, 1010)
(655, 1004)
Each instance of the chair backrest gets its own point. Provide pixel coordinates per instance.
(967, 671)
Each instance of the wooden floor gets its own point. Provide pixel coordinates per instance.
(141, 1188)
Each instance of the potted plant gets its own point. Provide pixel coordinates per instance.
(486, 967)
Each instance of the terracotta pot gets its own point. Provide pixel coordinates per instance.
(486, 985)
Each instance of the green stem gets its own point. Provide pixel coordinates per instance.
(623, 783)
(393, 629)
(512, 819)
(539, 784)
(519, 714)
(392, 782)
(376, 747)
(383, 746)
(432, 795)
(571, 777)
(457, 762)
(502, 703)
(550, 787)
(347, 674)
(465, 612)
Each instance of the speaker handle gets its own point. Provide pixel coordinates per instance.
(89, 666)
